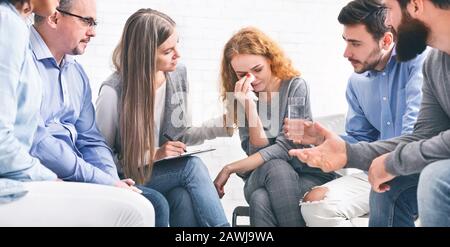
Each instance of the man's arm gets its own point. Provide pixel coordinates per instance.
(431, 121)
(90, 141)
(432, 128)
(62, 159)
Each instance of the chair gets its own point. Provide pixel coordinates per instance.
(240, 211)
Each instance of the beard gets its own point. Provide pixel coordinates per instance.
(412, 37)
(371, 63)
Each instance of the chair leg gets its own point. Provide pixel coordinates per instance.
(243, 211)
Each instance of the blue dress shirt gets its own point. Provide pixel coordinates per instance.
(20, 97)
(68, 140)
(384, 104)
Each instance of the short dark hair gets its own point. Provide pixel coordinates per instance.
(442, 4)
(370, 13)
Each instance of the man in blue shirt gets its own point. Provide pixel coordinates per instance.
(383, 96)
(68, 141)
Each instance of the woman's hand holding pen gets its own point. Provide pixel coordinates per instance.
(170, 148)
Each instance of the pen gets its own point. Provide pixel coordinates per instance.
(172, 140)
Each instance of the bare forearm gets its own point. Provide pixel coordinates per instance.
(248, 164)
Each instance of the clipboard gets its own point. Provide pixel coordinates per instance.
(187, 154)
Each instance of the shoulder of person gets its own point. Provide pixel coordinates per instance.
(433, 61)
(114, 81)
(178, 78)
(419, 60)
(436, 56)
(17, 30)
(297, 85)
(180, 71)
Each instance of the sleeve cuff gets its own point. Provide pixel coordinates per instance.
(354, 158)
(390, 165)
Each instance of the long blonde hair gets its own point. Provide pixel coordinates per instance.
(135, 60)
(251, 41)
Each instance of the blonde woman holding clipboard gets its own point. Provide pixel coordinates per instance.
(136, 107)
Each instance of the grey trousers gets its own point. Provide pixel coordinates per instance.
(273, 192)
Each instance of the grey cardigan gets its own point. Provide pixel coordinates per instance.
(279, 145)
(176, 119)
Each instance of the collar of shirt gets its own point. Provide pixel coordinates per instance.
(391, 61)
(41, 50)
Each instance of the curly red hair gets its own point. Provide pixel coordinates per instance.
(253, 41)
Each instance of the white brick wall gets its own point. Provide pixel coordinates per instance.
(307, 30)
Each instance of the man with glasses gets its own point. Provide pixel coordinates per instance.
(90, 21)
(383, 98)
(68, 141)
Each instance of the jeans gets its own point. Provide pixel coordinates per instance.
(274, 190)
(396, 207)
(160, 205)
(189, 190)
(434, 195)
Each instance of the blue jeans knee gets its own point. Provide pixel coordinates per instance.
(160, 205)
(182, 212)
(434, 195)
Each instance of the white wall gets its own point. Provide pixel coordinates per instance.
(307, 30)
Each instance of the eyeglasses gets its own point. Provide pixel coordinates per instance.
(87, 20)
(377, 11)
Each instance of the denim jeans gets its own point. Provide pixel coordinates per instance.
(434, 195)
(188, 179)
(396, 207)
(160, 205)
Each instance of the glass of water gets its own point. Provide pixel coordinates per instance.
(296, 116)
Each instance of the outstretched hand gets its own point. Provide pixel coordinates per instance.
(302, 131)
(329, 156)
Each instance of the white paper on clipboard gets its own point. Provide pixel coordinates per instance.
(190, 153)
